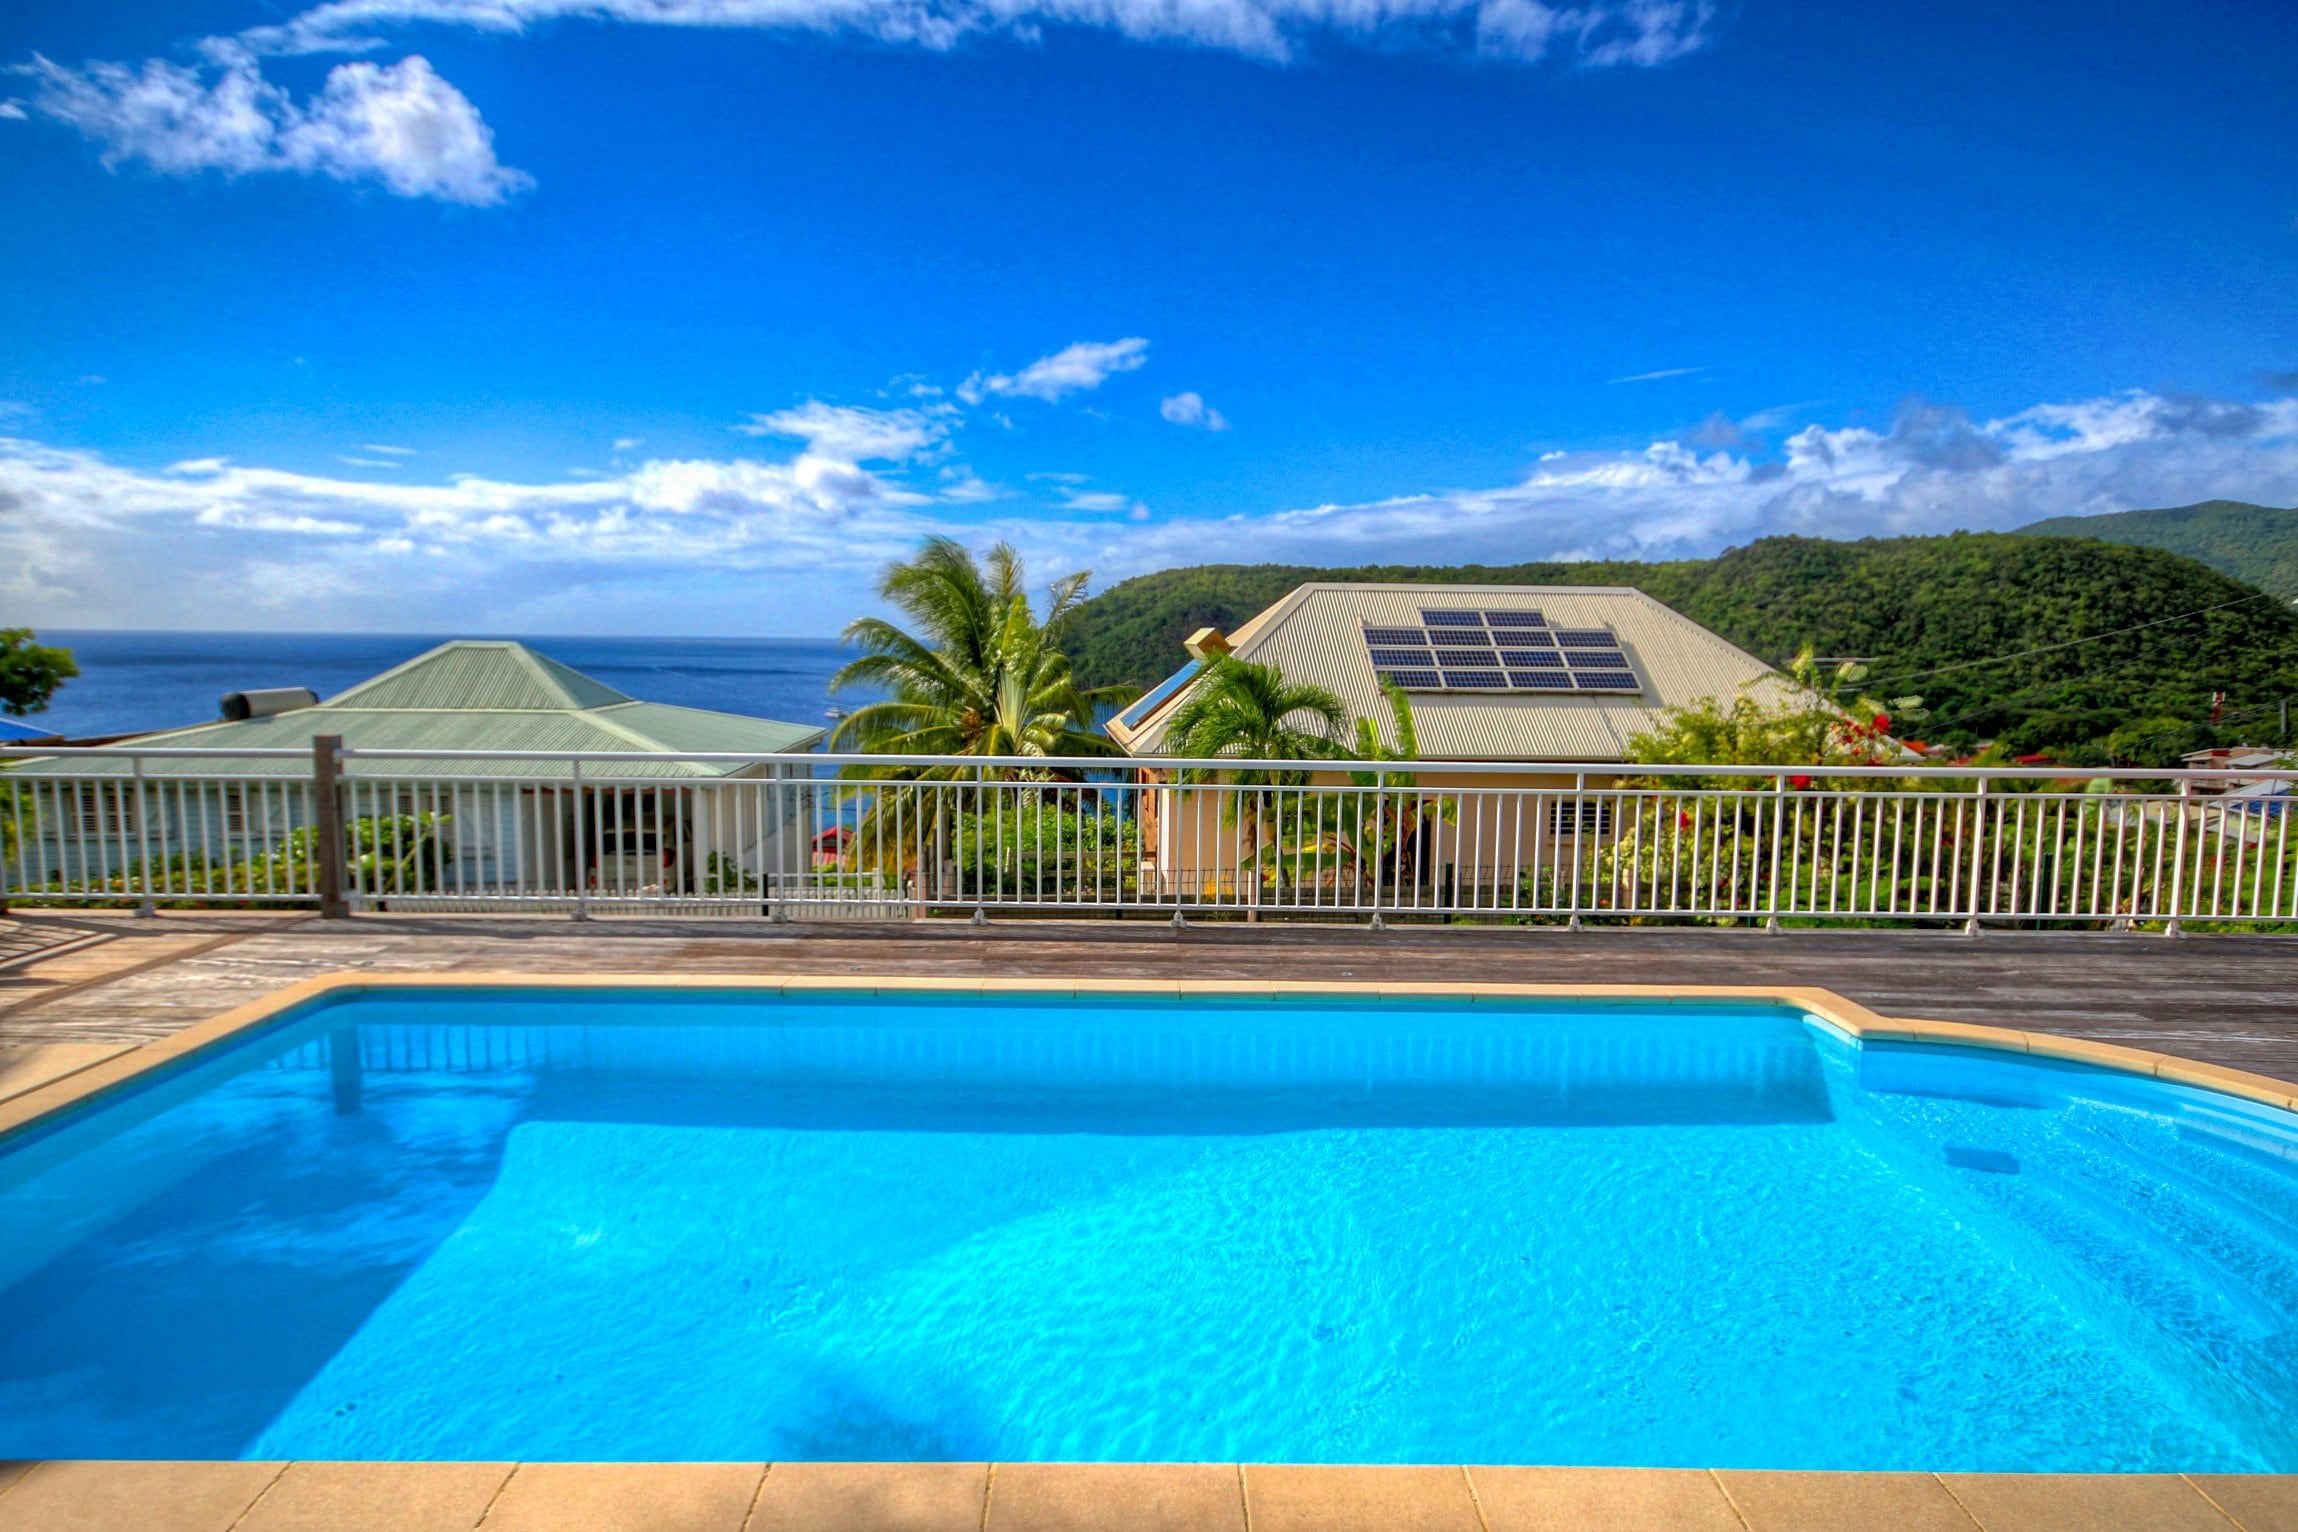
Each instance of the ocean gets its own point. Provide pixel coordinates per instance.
(132, 682)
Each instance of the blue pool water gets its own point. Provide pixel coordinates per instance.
(460, 1225)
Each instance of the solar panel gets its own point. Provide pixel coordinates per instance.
(1456, 649)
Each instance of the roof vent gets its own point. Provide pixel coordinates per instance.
(1207, 642)
(267, 702)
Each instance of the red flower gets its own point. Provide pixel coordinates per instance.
(1799, 783)
(1882, 720)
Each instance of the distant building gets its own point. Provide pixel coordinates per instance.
(1525, 677)
(511, 827)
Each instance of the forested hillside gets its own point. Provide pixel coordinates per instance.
(1953, 619)
(2255, 543)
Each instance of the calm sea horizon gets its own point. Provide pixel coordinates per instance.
(135, 682)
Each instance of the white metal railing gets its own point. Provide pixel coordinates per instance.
(775, 835)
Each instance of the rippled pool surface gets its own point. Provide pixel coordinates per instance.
(513, 1225)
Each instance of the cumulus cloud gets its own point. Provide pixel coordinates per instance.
(1072, 369)
(1190, 409)
(399, 125)
(85, 540)
(1592, 33)
(1933, 470)
(853, 432)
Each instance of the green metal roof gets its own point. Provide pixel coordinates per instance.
(480, 676)
(471, 696)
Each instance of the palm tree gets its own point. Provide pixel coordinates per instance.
(1252, 712)
(1376, 836)
(981, 675)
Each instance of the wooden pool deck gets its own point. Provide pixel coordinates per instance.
(76, 989)
(112, 980)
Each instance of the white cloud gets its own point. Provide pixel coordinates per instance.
(1190, 409)
(367, 462)
(628, 443)
(855, 433)
(1654, 377)
(1073, 369)
(388, 451)
(397, 124)
(1594, 33)
(85, 541)
(1934, 470)
(12, 110)
(1096, 500)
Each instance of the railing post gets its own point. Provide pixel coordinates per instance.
(2178, 862)
(145, 907)
(1978, 852)
(582, 844)
(327, 832)
(1778, 831)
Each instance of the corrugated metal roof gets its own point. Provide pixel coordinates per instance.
(1315, 635)
(693, 728)
(382, 715)
(480, 675)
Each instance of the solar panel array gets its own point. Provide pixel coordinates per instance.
(1461, 649)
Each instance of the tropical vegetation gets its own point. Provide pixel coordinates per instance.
(979, 672)
(30, 672)
(2257, 544)
(983, 674)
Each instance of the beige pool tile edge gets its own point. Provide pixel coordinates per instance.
(26, 1067)
(1845, 1016)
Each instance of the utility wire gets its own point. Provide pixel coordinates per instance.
(2004, 659)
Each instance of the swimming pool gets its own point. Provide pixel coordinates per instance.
(721, 1225)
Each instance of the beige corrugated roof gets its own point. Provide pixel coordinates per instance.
(473, 695)
(1315, 635)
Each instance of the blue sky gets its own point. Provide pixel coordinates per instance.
(550, 315)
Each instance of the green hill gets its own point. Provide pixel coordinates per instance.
(1913, 605)
(2254, 543)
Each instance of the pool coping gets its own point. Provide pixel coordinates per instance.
(81, 1086)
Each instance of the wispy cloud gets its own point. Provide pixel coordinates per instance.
(1190, 409)
(1072, 369)
(398, 125)
(1591, 33)
(1654, 377)
(388, 451)
(850, 431)
(367, 462)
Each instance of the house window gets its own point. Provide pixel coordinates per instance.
(234, 811)
(1580, 816)
(104, 808)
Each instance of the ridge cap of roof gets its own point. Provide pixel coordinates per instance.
(1447, 585)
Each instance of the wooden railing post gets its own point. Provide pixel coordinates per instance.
(327, 832)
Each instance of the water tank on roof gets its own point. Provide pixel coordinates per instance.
(266, 702)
